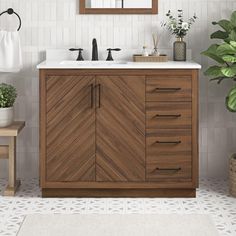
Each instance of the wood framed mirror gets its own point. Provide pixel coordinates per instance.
(118, 7)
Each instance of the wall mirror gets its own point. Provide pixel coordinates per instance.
(118, 6)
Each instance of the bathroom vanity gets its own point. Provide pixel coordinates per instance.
(119, 130)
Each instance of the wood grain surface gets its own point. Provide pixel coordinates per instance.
(120, 129)
(169, 115)
(136, 136)
(169, 88)
(70, 130)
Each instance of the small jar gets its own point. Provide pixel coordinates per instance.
(145, 52)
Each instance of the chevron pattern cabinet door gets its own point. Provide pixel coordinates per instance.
(70, 129)
(120, 129)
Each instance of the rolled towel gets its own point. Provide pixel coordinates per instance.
(10, 51)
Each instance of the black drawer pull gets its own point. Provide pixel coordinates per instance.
(98, 96)
(167, 89)
(168, 142)
(168, 169)
(167, 116)
(91, 88)
(99, 90)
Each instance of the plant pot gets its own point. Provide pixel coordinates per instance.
(6, 116)
(180, 50)
(232, 175)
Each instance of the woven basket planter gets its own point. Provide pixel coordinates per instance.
(232, 175)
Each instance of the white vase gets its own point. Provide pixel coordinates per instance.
(6, 116)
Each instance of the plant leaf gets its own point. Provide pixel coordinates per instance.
(232, 35)
(233, 19)
(225, 24)
(229, 71)
(225, 48)
(233, 43)
(230, 100)
(214, 71)
(229, 58)
(212, 53)
(219, 35)
(8, 95)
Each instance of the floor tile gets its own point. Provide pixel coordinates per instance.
(212, 198)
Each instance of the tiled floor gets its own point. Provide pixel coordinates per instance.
(212, 199)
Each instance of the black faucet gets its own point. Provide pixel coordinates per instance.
(95, 51)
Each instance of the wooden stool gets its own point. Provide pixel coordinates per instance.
(9, 152)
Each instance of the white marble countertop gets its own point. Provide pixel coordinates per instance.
(117, 65)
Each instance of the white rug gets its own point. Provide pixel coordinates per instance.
(117, 225)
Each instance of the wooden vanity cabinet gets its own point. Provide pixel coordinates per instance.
(111, 133)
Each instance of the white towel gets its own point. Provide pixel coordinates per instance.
(10, 52)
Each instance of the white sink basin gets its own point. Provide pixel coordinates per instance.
(92, 63)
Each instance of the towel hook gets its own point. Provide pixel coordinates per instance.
(10, 11)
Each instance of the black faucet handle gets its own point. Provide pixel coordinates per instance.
(109, 57)
(76, 49)
(114, 49)
(80, 57)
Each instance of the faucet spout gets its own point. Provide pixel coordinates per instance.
(95, 51)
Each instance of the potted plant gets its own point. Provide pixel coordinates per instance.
(224, 54)
(179, 28)
(7, 98)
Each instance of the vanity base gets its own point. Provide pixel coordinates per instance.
(149, 193)
(119, 132)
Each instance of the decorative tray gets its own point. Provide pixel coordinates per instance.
(150, 58)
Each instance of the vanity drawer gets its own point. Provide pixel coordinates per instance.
(169, 115)
(169, 154)
(169, 142)
(169, 167)
(169, 88)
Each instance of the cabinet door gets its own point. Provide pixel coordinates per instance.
(70, 128)
(120, 128)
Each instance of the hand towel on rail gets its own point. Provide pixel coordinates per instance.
(10, 51)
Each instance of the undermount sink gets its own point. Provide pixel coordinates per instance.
(92, 63)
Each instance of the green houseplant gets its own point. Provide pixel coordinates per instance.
(8, 96)
(224, 54)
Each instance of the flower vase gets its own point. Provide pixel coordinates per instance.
(180, 50)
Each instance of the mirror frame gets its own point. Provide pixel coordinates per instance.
(84, 10)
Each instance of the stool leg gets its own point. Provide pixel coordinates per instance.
(13, 183)
(12, 162)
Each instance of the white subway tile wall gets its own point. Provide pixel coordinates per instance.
(57, 24)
